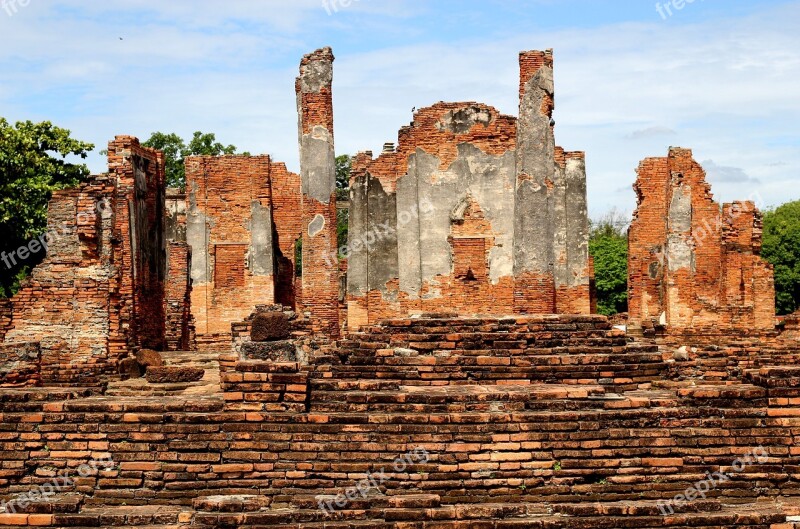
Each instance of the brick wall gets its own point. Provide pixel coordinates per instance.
(230, 231)
(65, 305)
(177, 298)
(100, 290)
(693, 264)
(139, 224)
(20, 364)
(6, 315)
(288, 220)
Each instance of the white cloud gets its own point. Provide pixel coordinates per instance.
(650, 132)
(725, 87)
(721, 173)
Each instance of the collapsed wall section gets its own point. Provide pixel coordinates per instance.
(318, 183)
(693, 264)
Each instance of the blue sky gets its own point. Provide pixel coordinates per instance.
(721, 77)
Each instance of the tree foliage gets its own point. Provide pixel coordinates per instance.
(33, 164)
(176, 150)
(608, 245)
(344, 164)
(781, 247)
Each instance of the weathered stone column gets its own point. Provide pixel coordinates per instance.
(534, 234)
(578, 294)
(318, 176)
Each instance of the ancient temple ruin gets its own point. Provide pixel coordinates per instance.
(188, 359)
(473, 212)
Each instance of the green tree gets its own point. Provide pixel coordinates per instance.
(608, 245)
(344, 164)
(781, 247)
(176, 150)
(173, 148)
(33, 164)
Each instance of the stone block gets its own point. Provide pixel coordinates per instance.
(269, 326)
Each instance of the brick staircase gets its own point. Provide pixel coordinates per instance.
(509, 443)
(532, 349)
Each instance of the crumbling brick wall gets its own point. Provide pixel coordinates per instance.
(179, 325)
(692, 264)
(100, 291)
(139, 225)
(288, 219)
(65, 304)
(474, 212)
(6, 315)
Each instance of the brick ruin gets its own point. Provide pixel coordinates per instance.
(473, 212)
(100, 292)
(242, 220)
(695, 266)
(164, 367)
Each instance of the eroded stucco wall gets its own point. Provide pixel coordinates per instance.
(487, 216)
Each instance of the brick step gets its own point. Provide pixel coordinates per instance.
(533, 345)
(170, 381)
(489, 357)
(615, 377)
(34, 399)
(444, 399)
(418, 511)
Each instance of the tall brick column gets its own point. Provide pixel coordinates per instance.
(534, 233)
(318, 177)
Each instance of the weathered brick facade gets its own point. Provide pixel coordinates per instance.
(243, 219)
(100, 291)
(692, 264)
(474, 212)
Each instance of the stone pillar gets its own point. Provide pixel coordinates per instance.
(534, 233)
(579, 274)
(318, 177)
